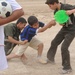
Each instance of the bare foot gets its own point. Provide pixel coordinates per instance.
(23, 59)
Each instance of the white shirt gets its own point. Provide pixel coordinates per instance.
(3, 61)
(15, 6)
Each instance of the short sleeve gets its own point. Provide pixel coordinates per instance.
(8, 31)
(14, 5)
(41, 24)
(68, 7)
(37, 31)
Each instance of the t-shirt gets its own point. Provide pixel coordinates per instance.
(29, 32)
(3, 62)
(67, 7)
(15, 6)
(11, 30)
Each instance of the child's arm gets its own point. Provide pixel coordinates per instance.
(12, 40)
(69, 12)
(25, 41)
(15, 15)
(50, 24)
(70, 9)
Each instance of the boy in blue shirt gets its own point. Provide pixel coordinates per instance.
(27, 35)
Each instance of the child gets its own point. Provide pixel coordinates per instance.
(17, 12)
(28, 36)
(12, 32)
(66, 34)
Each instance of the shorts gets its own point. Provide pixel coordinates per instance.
(33, 44)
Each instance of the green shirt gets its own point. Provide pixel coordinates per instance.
(11, 30)
(71, 17)
(67, 7)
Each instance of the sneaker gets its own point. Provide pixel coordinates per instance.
(42, 61)
(66, 71)
(49, 61)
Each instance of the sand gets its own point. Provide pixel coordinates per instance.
(32, 67)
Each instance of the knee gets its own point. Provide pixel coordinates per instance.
(54, 43)
(64, 49)
(41, 45)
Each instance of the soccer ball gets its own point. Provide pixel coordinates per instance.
(5, 9)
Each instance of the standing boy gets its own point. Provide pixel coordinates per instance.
(66, 34)
(28, 36)
(17, 12)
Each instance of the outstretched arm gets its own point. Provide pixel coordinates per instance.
(12, 40)
(69, 12)
(50, 24)
(15, 15)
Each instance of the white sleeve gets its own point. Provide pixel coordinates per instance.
(37, 31)
(14, 5)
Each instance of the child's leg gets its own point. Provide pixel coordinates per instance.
(19, 52)
(40, 49)
(23, 57)
(36, 44)
(10, 56)
(13, 55)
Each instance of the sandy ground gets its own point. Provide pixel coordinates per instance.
(32, 67)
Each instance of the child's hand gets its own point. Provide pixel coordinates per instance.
(23, 42)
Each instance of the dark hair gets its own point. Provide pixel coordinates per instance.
(51, 1)
(22, 20)
(32, 20)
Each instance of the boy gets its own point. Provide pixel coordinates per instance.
(28, 36)
(12, 32)
(17, 12)
(66, 34)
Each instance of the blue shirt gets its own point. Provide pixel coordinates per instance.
(29, 32)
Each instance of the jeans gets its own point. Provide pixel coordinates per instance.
(66, 35)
